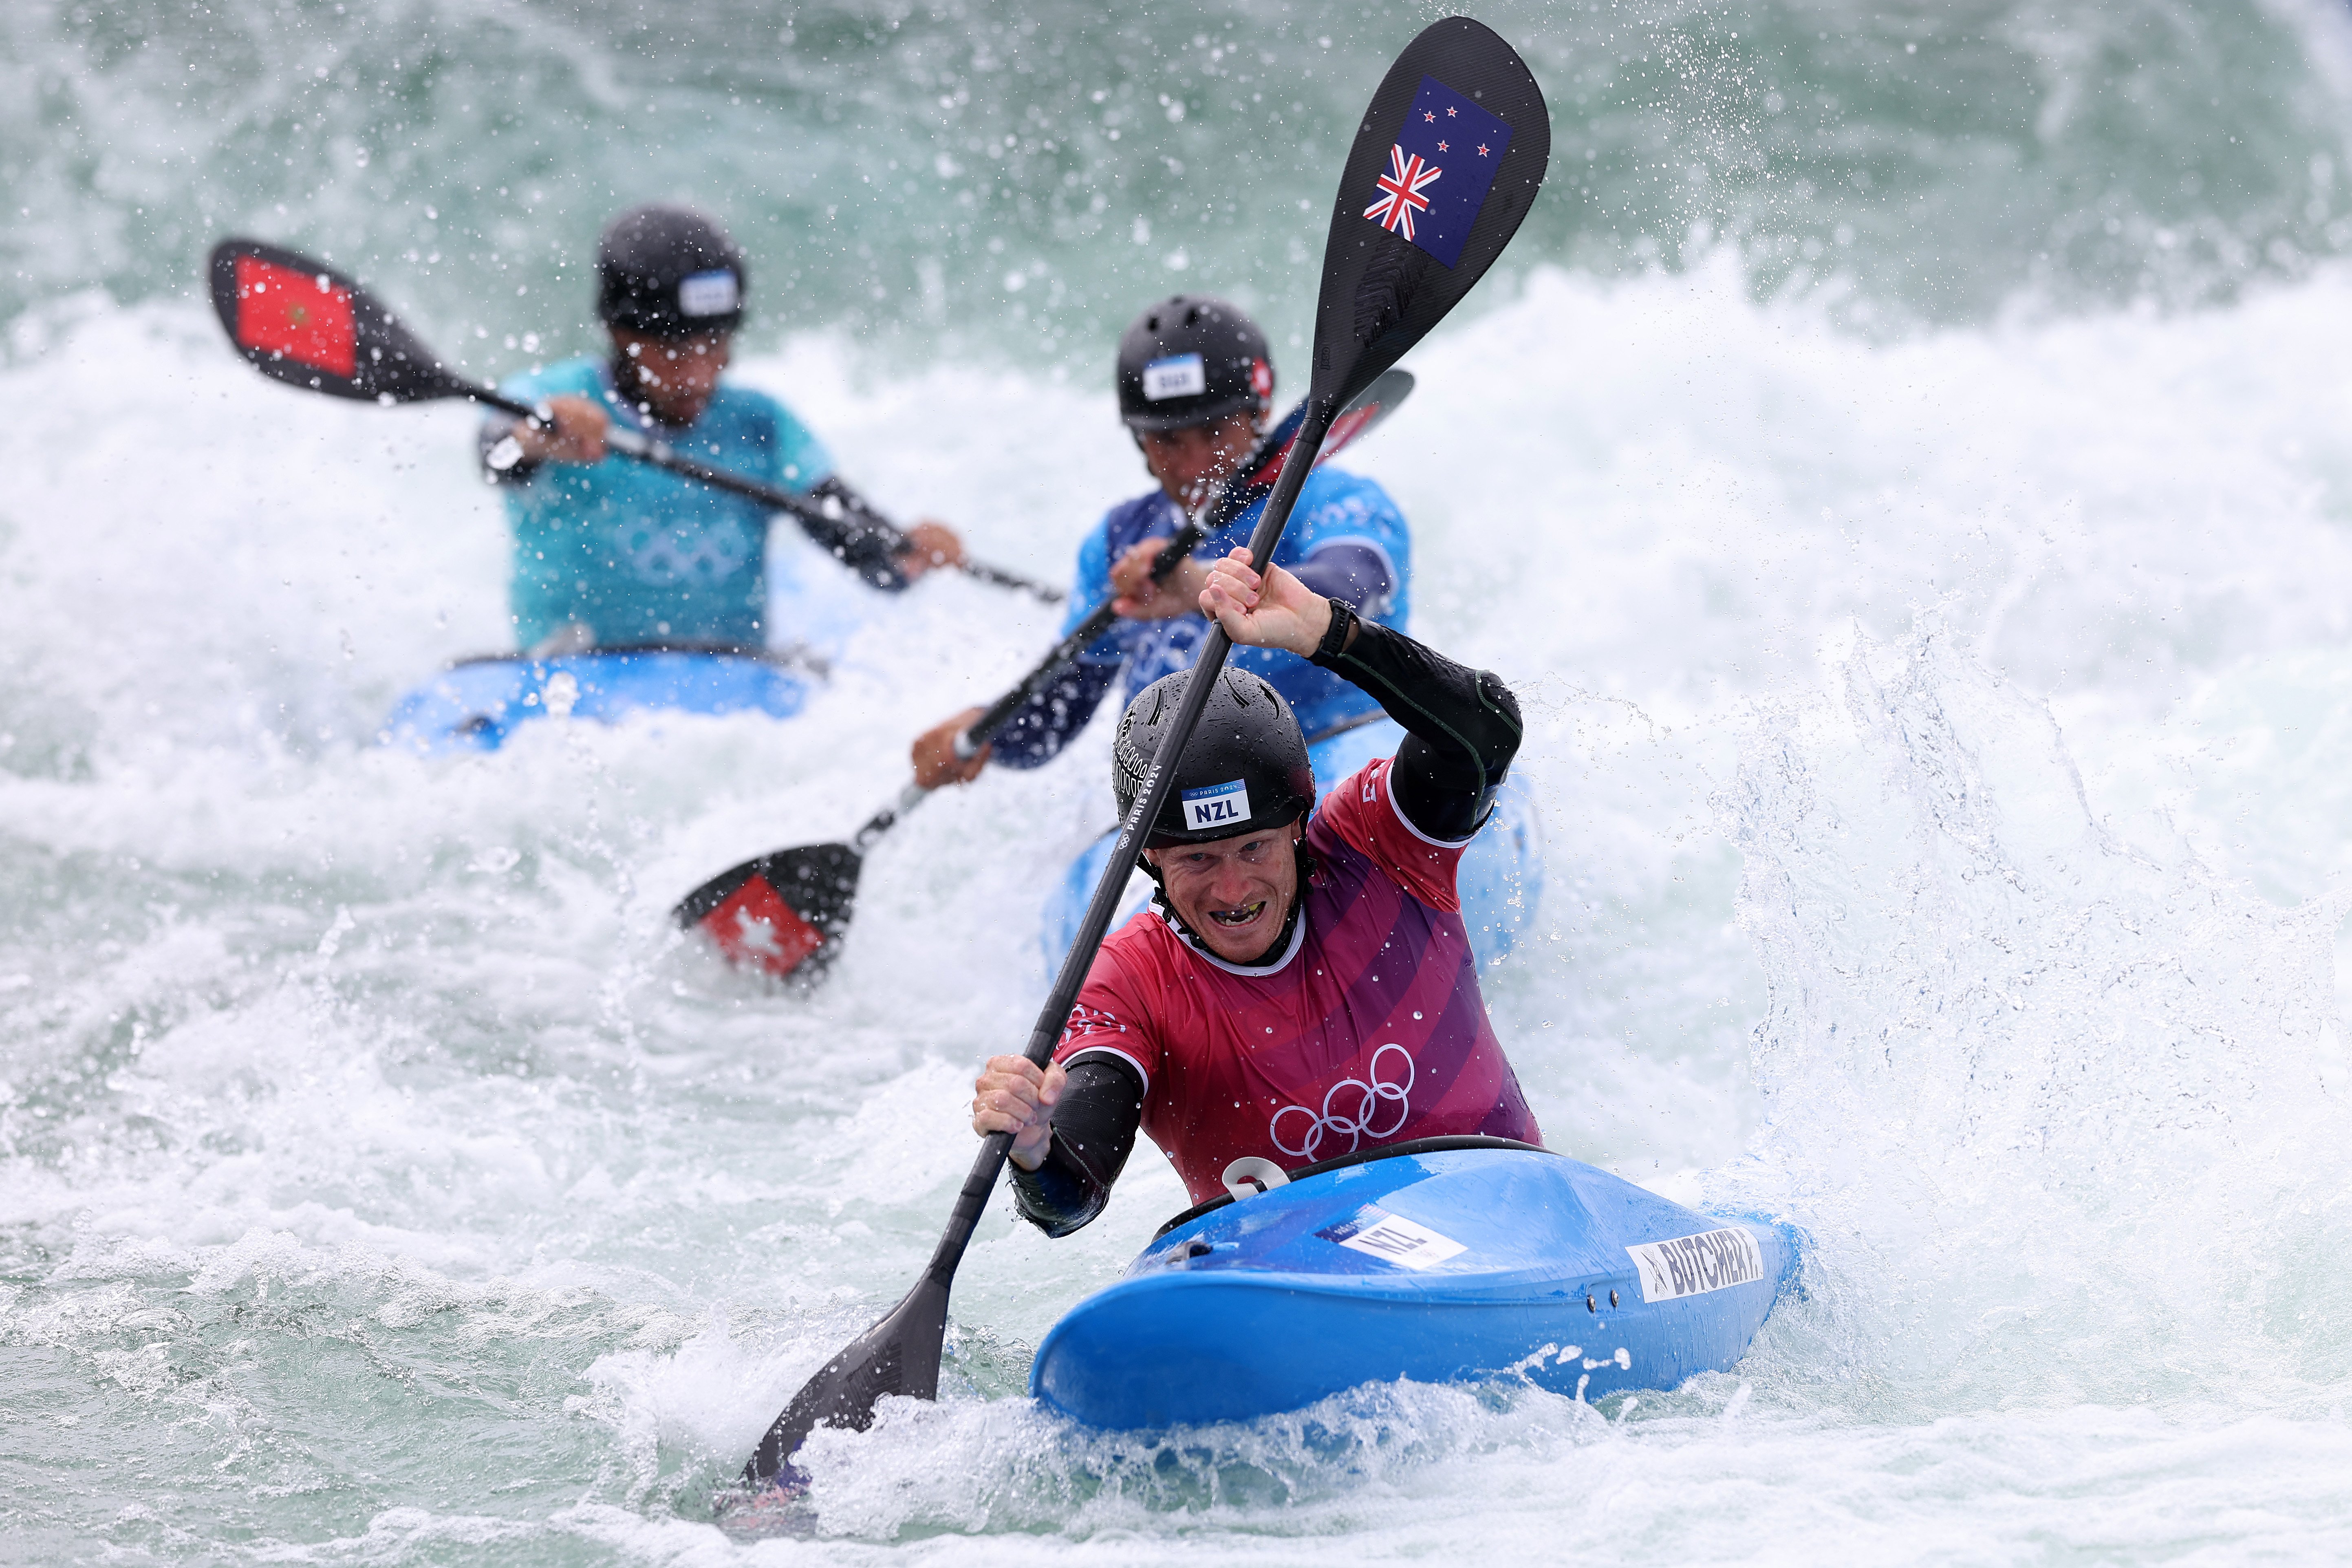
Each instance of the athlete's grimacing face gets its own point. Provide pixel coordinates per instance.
(1235, 893)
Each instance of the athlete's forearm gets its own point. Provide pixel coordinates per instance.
(1042, 726)
(1462, 725)
(1095, 1125)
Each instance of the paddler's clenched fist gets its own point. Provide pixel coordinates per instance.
(576, 435)
(1142, 597)
(929, 544)
(936, 758)
(1269, 609)
(1016, 1095)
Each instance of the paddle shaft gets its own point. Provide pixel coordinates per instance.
(1219, 512)
(882, 821)
(980, 731)
(1226, 505)
(997, 1147)
(1233, 498)
(659, 454)
(984, 729)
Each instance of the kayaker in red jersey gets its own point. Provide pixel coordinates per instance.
(1302, 986)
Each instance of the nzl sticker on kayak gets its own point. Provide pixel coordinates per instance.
(1374, 1230)
(1693, 1264)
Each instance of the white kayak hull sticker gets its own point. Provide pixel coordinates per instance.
(1376, 1232)
(1693, 1264)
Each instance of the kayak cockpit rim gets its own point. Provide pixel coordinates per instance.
(1365, 1157)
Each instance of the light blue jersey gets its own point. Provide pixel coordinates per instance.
(637, 556)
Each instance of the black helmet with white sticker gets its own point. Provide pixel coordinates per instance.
(1244, 770)
(668, 271)
(1190, 359)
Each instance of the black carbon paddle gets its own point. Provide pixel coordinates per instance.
(785, 912)
(1382, 293)
(299, 320)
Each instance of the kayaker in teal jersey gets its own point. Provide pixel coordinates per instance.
(614, 553)
(1195, 385)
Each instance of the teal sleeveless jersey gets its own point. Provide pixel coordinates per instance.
(637, 556)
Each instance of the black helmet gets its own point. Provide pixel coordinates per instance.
(668, 271)
(1190, 359)
(1245, 769)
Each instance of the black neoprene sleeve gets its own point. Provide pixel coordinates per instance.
(1461, 726)
(1094, 1132)
(859, 539)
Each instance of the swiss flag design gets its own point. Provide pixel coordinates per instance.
(756, 927)
(282, 311)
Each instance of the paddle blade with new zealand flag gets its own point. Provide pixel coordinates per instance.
(1446, 162)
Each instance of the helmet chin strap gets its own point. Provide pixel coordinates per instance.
(1281, 939)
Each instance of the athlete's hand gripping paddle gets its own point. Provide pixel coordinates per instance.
(1443, 167)
(299, 320)
(785, 912)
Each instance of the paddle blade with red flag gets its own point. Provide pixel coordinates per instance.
(779, 913)
(299, 320)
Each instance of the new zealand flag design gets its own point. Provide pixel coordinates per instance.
(1440, 169)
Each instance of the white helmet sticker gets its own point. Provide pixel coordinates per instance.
(1179, 375)
(709, 293)
(1218, 806)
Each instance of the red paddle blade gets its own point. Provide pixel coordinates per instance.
(305, 317)
(781, 914)
(299, 320)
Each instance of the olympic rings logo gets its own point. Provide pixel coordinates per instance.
(1368, 1108)
(666, 553)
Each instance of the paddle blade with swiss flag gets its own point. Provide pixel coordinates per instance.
(781, 914)
(299, 320)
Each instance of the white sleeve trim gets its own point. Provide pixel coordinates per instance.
(1140, 1070)
(1389, 789)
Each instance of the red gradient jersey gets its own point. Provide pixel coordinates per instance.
(1368, 1029)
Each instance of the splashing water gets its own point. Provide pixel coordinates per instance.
(379, 1183)
(2067, 1119)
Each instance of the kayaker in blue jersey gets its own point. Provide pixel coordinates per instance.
(614, 553)
(1195, 385)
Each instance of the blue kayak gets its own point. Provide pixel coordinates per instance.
(1500, 879)
(475, 705)
(1446, 1260)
